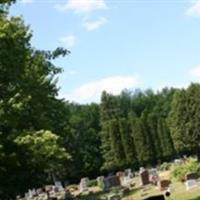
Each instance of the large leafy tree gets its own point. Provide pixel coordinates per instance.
(44, 154)
(81, 138)
(27, 102)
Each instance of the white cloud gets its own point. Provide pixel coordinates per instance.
(194, 10)
(195, 72)
(71, 72)
(81, 6)
(91, 92)
(26, 1)
(92, 25)
(69, 40)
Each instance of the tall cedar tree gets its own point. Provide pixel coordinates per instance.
(184, 120)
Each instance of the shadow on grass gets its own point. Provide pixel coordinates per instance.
(97, 196)
(133, 191)
(198, 198)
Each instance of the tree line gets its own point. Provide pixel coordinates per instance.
(44, 138)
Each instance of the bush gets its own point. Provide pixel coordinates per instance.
(92, 183)
(190, 166)
(165, 166)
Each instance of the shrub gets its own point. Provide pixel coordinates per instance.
(190, 166)
(92, 183)
(165, 166)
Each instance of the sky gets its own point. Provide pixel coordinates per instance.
(117, 44)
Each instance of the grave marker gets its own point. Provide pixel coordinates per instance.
(83, 186)
(191, 176)
(144, 177)
(191, 184)
(164, 184)
(111, 181)
(153, 176)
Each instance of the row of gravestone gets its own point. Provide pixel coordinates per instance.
(126, 179)
(47, 192)
(151, 176)
(120, 179)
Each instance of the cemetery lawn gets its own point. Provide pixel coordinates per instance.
(179, 192)
(137, 193)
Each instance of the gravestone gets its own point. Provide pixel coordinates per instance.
(127, 178)
(30, 195)
(59, 185)
(48, 188)
(128, 172)
(83, 186)
(100, 182)
(153, 176)
(164, 184)
(39, 191)
(153, 172)
(120, 174)
(178, 161)
(144, 177)
(191, 184)
(34, 193)
(111, 181)
(191, 176)
(52, 194)
(126, 181)
(26, 195)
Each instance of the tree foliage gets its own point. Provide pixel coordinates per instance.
(134, 128)
(184, 119)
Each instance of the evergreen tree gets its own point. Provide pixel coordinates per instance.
(184, 120)
(128, 142)
(142, 141)
(116, 143)
(152, 121)
(165, 140)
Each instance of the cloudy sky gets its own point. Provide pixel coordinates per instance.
(117, 44)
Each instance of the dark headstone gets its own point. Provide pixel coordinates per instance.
(144, 176)
(164, 184)
(191, 176)
(111, 181)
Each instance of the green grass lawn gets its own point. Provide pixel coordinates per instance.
(179, 192)
(138, 193)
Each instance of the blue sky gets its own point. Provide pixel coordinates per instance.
(117, 44)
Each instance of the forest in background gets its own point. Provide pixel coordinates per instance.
(43, 138)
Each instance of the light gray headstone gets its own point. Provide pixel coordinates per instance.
(178, 161)
(58, 185)
(83, 186)
(191, 184)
